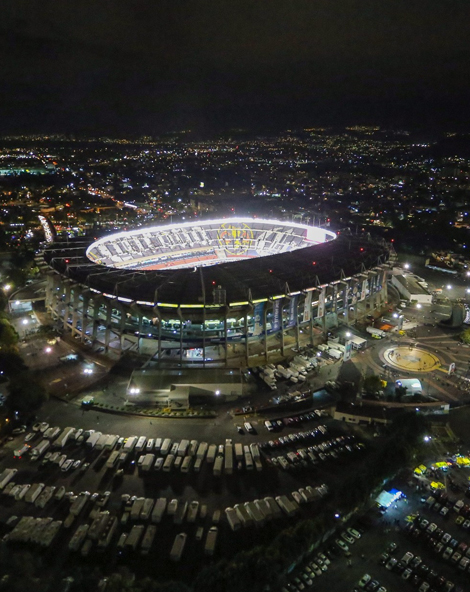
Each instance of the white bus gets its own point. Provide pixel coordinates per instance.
(178, 546)
(6, 477)
(165, 449)
(147, 508)
(148, 463)
(140, 444)
(218, 465)
(187, 462)
(113, 459)
(148, 539)
(248, 458)
(233, 519)
(183, 447)
(134, 536)
(137, 508)
(211, 540)
(129, 444)
(34, 492)
(40, 449)
(159, 510)
(168, 464)
(93, 439)
(211, 453)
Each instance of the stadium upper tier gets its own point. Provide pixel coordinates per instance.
(198, 244)
(302, 260)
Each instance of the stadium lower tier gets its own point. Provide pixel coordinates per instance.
(242, 335)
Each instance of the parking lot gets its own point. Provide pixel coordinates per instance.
(312, 449)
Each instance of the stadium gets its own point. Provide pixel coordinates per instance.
(234, 292)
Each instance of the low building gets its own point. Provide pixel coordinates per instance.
(410, 289)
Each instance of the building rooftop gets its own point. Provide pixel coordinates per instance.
(411, 284)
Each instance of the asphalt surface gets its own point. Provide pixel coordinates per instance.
(242, 486)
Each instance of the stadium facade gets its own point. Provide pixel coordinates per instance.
(229, 292)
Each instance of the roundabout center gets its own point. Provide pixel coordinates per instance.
(411, 359)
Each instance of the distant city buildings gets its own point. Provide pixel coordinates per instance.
(363, 178)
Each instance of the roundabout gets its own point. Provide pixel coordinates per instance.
(411, 359)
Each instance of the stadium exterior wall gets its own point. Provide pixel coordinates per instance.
(231, 335)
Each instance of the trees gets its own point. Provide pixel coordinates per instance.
(372, 384)
(26, 395)
(400, 391)
(11, 364)
(8, 336)
(465, 336)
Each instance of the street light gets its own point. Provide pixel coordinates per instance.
(449, 287)
(217, 393)
(348, 334)
(407, 266)
(7, 287)
(25, 321)
(48, 350)
(418, 305)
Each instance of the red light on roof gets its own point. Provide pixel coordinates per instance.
(314, 262)
(362, 249)
(213, 283)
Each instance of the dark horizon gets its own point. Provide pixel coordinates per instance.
(115, 70)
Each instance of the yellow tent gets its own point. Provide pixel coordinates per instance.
(420, 470)
(463, 460)
(437, 485)
(441, 464)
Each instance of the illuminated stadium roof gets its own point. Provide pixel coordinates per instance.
(246, 270)
(199, 244)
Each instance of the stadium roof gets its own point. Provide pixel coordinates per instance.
(245, 280)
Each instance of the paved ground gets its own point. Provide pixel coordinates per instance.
(428, 337)
(365, 553)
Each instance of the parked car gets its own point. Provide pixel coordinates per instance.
(366, 578)
(342, 545)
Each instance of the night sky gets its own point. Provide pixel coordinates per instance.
(116, 67)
